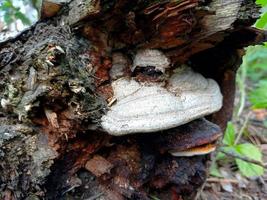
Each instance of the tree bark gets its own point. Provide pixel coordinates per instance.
(55, 84)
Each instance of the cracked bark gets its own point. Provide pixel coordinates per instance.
(53, 78)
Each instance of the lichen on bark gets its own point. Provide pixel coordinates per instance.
(38, 74)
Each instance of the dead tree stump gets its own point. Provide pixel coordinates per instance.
(55, 87)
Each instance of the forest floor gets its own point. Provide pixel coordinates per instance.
(233, 185)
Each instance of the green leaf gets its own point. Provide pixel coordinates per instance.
(262, 22)
(258, 97)
(6, 5)
(220, 156)
(248, 169)
(249, 150)
(214, 171)
(8, 18)
(252, 152)
(261, 2)
(229, 137)
(23, 18)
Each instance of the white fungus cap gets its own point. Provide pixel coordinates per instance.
(151, 57)
(150, 108)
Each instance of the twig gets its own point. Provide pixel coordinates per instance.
(222, 180)
(261, 179)
(242, 128)
(255, 131)
(241, 78)
(95, 196)
(200, 191)
(235, 155)
(257, 123)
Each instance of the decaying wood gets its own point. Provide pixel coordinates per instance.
(55, 85)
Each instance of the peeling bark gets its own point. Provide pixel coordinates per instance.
(54, 83)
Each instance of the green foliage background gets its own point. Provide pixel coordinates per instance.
(252, 86)
(10, 13)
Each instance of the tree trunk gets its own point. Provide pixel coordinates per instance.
(55, 86)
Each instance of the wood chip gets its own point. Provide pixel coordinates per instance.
(98, 165)
(52, 118)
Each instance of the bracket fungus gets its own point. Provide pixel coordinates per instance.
(195, 138)
(151, 107)
(201, 150)
(85, 57)
(151, 58)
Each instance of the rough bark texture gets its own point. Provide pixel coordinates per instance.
(54, 84)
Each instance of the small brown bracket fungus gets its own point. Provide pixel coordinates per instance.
(151, 58)
(51, 7)
(201, 150)
(195, 138)
(149, 107)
